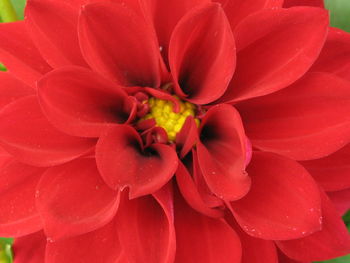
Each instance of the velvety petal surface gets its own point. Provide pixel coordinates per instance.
(331, 242)
(275, 48)
(30, 248)
(73, 199)
(283, 202)
(199, 75)
(222, 152)
(307, 120)
(18, 214)
(123, 163)
(340, 200)
(131, 56)
(80, 102)
(331, 172)
(28, 136)
(291, 3)
(53, 27)
(203, 239)
(19, 54)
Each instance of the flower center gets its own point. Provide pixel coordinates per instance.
(162, 112)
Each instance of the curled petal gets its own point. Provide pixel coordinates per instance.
(307, 120)
(275, 48)
(73, 199)
(123, 162)
(283, 202)
(27, 135)
(18, 214)
(30, 248)
(81, 103)
(199, 75)
(222, 152)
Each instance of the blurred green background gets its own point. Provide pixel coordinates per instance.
(340, 17)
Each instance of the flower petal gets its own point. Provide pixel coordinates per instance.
(73, 199)
(28, 136)
(12, 89)
(283, 202)
(99, 246)
(222, 152)
(131, 56)
(340, 200)
(330, 242)
(146, 228)
(123, 162)
(331, 172)
(19, 54)
(307, 120)
(80, 102)
(203, 239)
(195, 70)
(275, 48)
(53, 26)
(18, 214)
(237, 10)
(316, 3)
(30, 248)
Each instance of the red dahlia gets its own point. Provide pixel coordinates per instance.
(174, 131)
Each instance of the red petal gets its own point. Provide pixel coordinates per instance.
(340, 200)
(187, 136)
(222, 152)
(80, 102)
(30, 249)
(203, 239)
(12, 89)
(297, 121)
(282, 258)
(331, 172)
(237, 10)
(202, 54)
(332, 241)
(53, 26)
(275, 48)
(146, 228)
(18, 214)
(290, 3)
(123, 162)
(131, 56)
(99, 246)
(73, 199)
(283, 202)
(26, 134)
(335, 55)
(19, 54)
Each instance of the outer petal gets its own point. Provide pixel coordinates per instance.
(18, 214)
(307, 120)
(282, 258)
(53, 26)
(290, 3)
(123, 162)
(99, 246)
(12, 89)
(203, 239)
(335, 55)
(146, 228)
(30, 249)
(222, 152)
(131, 56)
(80, 102)
(202, 54)
(237, 10)
(27, 135)
(331, 172)
(340, 200)
(283, 203)
(332, 241)
(73, 199)
(19, 54)
(275, 48)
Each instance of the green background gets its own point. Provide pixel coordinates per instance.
(340, 17)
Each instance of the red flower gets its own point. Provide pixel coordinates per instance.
(245, 102)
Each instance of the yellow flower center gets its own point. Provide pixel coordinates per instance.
(162, 112)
